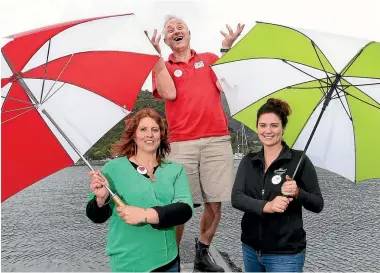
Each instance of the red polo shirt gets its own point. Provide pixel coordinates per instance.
(197, 112)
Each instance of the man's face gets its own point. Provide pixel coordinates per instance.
(177, 35)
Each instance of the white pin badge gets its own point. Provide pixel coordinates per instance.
(142, 170)
(199, 64)
(178, 73)
(276, 179)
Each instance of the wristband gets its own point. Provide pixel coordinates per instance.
(224, 50)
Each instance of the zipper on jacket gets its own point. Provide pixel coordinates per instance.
(262, 198)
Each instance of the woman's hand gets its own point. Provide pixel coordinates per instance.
(278, 204)
(131, 215)
(134, 215)
(290, 188)
(98, 181)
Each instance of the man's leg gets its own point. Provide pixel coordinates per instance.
(209, 222)
(210, 219)
(187, 154)
(216, 178)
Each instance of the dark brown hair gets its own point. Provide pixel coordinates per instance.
(126, 146)
(275, 106)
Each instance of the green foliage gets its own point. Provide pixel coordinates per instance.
(101, 150)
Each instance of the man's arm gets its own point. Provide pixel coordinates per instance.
(163, 82)
(213, 59)
(219, 86)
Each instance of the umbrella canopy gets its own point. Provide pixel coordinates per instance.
(331, 82)
(63, 88)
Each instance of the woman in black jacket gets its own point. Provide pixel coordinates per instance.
(273, 238)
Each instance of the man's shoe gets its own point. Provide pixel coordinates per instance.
(203, 261)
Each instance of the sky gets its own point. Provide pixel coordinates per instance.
(205, 18)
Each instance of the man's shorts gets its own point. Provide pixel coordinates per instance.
(209, 166)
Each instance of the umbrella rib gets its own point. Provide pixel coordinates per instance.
(310, 87)
(319, 80)
(364, 84)
(324, 70)
(68, 61)
(31, 108)
(23, 101)
(341, 90)
(321, 88)
(360, 91)
(45, 68)
(340, 99)
(84, 88)
(46, 99)
(361, 77)
(354, 59)
(370, 104)
(17, 109)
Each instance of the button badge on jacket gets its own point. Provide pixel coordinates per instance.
(276, 179)
(178, 73)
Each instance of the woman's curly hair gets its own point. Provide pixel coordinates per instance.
(126, 146)
(279, 107)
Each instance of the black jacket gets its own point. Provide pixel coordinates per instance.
(275, 232)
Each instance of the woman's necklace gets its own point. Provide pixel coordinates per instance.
(142, 170)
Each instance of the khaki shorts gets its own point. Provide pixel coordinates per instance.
(209, 166)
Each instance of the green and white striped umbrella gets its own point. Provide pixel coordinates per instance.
(331, 82)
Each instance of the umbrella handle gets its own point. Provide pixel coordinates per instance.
(118, 201)
(115, 198)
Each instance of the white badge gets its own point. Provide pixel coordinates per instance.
(199, 64)
(142, 170)
(276, 179)
(178, 73)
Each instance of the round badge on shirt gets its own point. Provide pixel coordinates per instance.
(142, 170)
(178, 73)
(276, 179)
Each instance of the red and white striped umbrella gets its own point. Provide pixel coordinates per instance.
(63, 88)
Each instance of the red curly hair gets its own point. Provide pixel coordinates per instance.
(126, 146)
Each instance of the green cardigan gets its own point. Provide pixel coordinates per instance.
(142, 248)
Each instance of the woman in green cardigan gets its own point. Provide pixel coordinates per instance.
(141, 235)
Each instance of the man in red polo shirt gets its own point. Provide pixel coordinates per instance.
(198, 127)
